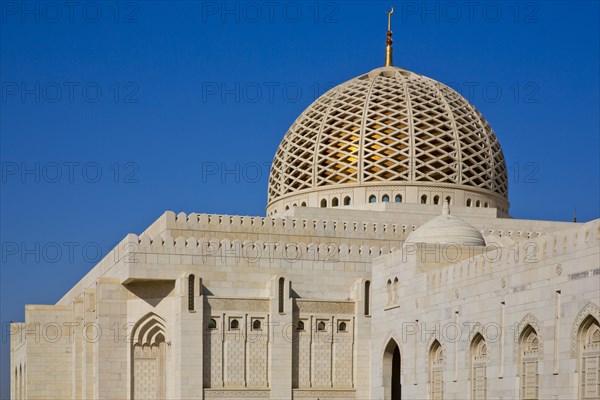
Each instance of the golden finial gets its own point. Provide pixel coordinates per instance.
(575, 215)
(389, 41)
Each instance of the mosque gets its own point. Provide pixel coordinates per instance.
(387, 267)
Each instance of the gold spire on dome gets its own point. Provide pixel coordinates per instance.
(389, 41)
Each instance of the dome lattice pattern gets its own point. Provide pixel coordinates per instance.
(389, 126)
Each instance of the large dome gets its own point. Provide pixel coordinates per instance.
(389, 135)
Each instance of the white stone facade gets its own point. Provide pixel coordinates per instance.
(330, 300)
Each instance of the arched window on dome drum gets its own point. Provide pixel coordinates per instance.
(424, 199)
(398, 198)
(287, 208)
(478, 203)
(281, 290)
(468, 202)
(335, 202)
(323, 203)
(436, 200)
(303, 204)
(294, 205)
(486, 204)
(191, 281)
(372, 198)
(385, 198)
(449, 200)
(367, 297)
(347, 201)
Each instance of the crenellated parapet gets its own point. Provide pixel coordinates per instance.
(530, 252)
(249, 249)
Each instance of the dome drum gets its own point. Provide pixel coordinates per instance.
(354, 196)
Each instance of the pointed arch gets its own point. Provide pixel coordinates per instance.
(531, 320)
(148, 356)
(392, 369)
(588, 358)
(529, 358)
(478, 361)
(590, 309)
(436, 370)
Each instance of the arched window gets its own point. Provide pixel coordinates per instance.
(396, 296)
(436, 199)
(281, 290)
(321, 326)
(389, 292)
(191, 281)
(347, 201)
(468, 202)
(300, 326)
(256, 326)
(367, 297)
(479, 361)
(398, 198)
(478, 203)
(212, 324)
(529, 345)
(287, 208)
(342, 327)
(372, 198)
(303, 204)
(436, 371)
(149, 348)
(323, 203)
(449, 200)
(589, 359)
(485, 204)
(335, 202)
(234, 324)
(294, 205)
(424, 199)
(385, 198)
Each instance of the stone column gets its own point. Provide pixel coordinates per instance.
(280, 338)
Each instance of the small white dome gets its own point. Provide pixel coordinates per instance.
(447, 229)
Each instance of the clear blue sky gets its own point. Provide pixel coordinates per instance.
(110, 116)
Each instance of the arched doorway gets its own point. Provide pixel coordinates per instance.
(392, 385)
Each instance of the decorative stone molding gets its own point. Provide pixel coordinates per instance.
(241, 304)
(589, 309)
(210, 394)
(528, 319)
(324, 394)
(325, 307)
